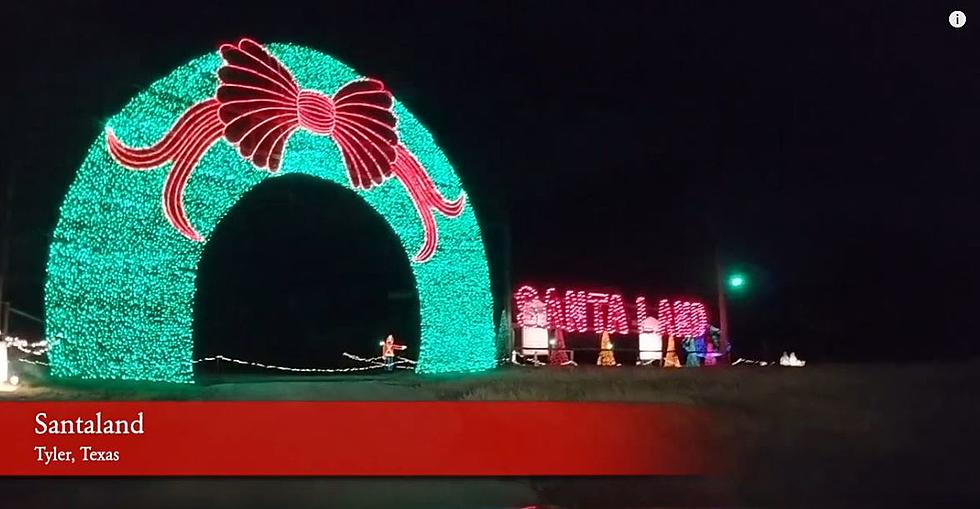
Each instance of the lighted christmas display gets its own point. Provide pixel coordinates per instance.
(606, 356)
(388, 349)
(608, 313)
(599, 304)
(682, 319)
(576, 309)
(641, 311)
(523, 295)
(617, 321)
(558, 356)
(682, 325)
(503, 334)
(555, 308)
(791, 360)
(581, 311)
(4, 370)
(671, 359)
(534, 334)
(711, 357)
(8, 380)
(258, 106)
(651, 342)
(121, 274)
(692, 346)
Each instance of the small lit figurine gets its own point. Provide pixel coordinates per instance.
(711, 358)
(690, 347)
(713, 346)
(701, 348)
(388, 348)
(606, 357)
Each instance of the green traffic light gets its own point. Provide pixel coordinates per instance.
(736, 281)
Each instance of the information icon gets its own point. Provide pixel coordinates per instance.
(957, 19)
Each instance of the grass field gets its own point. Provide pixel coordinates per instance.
(821, 435)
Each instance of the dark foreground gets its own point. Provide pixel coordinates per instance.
(822, 436)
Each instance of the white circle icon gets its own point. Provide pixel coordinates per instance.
(957, 19)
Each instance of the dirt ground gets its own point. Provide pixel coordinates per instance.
(836, 435)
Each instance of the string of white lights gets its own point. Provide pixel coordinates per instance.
(374, 359)
(374, 363)
(42, 347)
(35, 348)
(36, 363)
(752, 362)
(524, 360)
(398, 365)
(362, 359)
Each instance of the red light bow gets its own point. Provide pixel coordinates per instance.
(257, 107)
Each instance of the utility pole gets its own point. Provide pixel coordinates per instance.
(723, 338)
(507, 285)
(5, 227)
(722, 307)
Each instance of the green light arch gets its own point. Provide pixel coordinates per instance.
(121, 281)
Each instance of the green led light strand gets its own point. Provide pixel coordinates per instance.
(121, 281)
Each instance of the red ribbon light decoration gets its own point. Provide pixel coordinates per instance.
(258, 106)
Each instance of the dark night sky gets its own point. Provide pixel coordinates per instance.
(827, 148)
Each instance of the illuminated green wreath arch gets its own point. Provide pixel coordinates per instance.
(121, 280)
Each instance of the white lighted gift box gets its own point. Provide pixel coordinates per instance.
(651, 342)
(3, 360)
(534, 333)
(6, 379)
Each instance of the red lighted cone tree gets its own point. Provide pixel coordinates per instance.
(606, 357)
(558, 355)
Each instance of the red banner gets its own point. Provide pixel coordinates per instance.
(353, 438)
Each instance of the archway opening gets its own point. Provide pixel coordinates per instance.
(122, 271)
(300, 271)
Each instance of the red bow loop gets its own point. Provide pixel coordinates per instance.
(259, 105)
(365, 131)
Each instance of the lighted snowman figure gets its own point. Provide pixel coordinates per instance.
(534, 333)
(651, 342)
